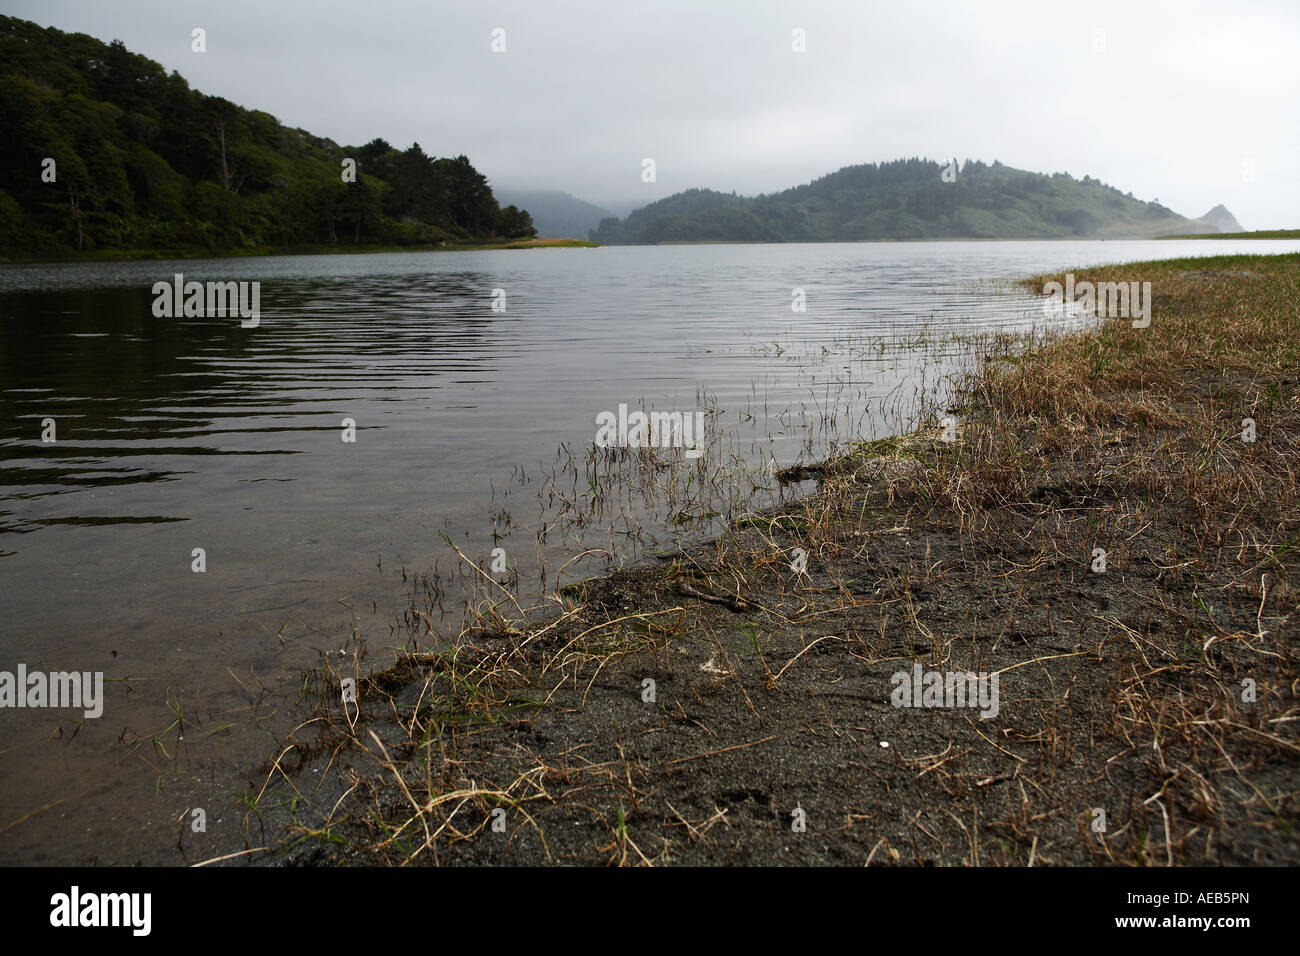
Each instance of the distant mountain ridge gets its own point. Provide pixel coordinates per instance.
(555, 214)
(910, 199)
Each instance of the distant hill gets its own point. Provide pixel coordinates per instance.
(555, 213)
(142, 162)
(1221, 220)
(907, 199)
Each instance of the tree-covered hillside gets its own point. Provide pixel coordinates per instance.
(143, 162)
(904, 199)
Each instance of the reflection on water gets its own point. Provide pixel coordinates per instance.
(180, 434)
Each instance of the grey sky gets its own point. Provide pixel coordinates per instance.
(1191, 102)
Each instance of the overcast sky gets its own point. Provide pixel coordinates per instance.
(1192, 103)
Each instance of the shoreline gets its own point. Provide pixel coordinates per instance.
(139, 255)
(769, 731)
(1255, 234)
(148, 255)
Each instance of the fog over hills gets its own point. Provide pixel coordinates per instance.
(554, 213)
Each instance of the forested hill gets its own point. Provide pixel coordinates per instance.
(143, 162)
(904, 199)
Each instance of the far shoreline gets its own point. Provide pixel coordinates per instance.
(148, 255)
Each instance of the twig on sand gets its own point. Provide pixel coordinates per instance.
(722, 750)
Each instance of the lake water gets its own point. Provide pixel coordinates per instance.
(473, 423)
